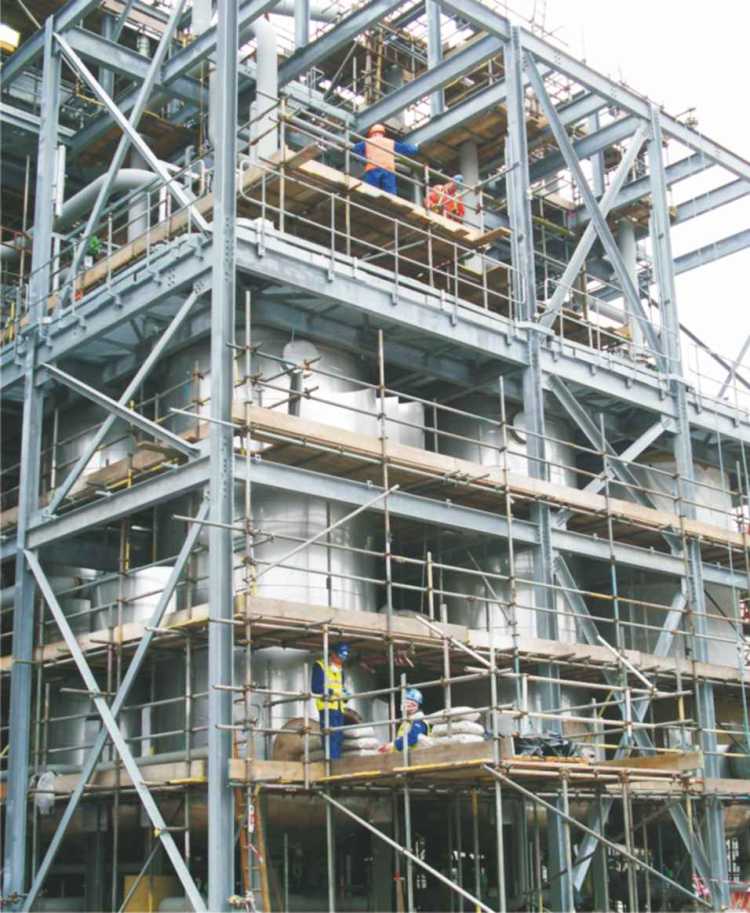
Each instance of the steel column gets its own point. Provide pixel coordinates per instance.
(19, 731)
(533, 394)
(664, 271)
(221, 485)
(434, 52)
(301, 23)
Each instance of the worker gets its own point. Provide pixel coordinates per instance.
(329, 692)
(446, 199)
(380, 153)
(414, 728)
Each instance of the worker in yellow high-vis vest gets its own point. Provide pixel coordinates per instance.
(415, 728)
(331, 695)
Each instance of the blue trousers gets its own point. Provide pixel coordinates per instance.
(384, 180)
(335, 718)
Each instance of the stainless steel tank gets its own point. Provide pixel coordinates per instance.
(503, 606)
(76, 428)
(713, 505)
(131, 597)
(480, 601)
(73, 724)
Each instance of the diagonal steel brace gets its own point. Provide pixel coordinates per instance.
(120, 411)
(153, 356)
(589, 236)
(118, 158)
(630, 292)
(172, 185)
(120, 698)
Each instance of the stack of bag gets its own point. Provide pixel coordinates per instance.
(457, 726)
(357, 742)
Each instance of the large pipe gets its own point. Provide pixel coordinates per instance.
(73, 209)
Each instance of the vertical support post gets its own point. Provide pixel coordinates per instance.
(14, 859)
(107, 77)
(434, 52)
(221, 490)
(469, 159)
(301, 23)
(715, 838)
(533, 395)
(597, 160)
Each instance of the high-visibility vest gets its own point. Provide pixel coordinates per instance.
(405, 728)
(443, 198)
(333, 681)
(380, 154)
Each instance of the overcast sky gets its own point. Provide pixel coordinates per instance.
(682, 55)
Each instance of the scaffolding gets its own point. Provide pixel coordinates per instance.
(535, 483)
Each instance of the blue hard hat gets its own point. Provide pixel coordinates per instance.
(413, 694)
(458, 178)
(342, 651)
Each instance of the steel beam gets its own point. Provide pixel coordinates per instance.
(680, 171)
(120, 411)
(590, 145)
(125, 62)
(432, 80)
(14, 858)
(118, 740)
(342, 34)
(709, 253)
(586, 241)
(154, 163)
(712, 199)
(68, 15)
(221, 811)
(121, 697)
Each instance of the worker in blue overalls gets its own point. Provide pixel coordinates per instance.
(414, 728)
(331, 695)
(379, 153)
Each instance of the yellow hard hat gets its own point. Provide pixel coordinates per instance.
(376, 128)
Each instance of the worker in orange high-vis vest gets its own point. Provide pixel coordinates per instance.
(379, 152)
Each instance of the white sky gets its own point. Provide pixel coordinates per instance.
(682, 55)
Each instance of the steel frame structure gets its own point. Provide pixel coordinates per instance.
(220, 255)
